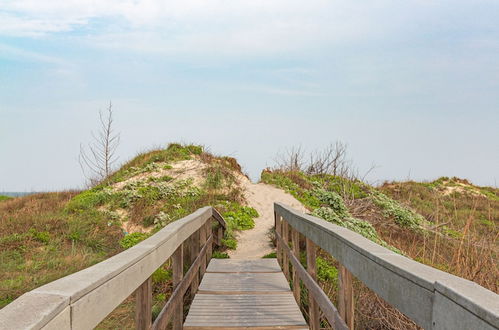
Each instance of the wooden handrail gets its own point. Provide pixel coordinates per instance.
(432, 298)
(314, 290)
(83, 299)
(176, 298)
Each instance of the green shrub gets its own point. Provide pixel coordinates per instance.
(161, 275)
(132, 239)
(403, 216)
(240, 217)
(42, 237)
(284, 181)
(4, 198)
(87, 200)
(329, 215)
(230, 243)
(162, 219)
(160, 297)
(220, 255)
(359, 226)
(332, 200)
(270, 255)
(325, 271)
(156, 309)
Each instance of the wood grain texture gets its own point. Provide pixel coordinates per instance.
(278, 229)
(178, 274)
(346, 305)
(194, 248)
(177, 296)
(295, 239)
(328, 309)
(143, 305)
(249, 294)
(313, 308)
(244, 282)
(248, 266)
(285, 241)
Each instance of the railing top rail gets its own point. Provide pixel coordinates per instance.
(81, 300)
(430, 297)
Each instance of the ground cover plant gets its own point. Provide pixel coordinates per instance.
(47, 236)
(4, 198)
(448, 224)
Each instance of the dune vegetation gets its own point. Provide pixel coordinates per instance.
(46, 236)
(448, 224)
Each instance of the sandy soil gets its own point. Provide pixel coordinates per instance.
(255, 243)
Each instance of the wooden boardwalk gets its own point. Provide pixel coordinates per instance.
(237, 294)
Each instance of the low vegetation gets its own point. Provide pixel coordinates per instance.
(4, 198)
(448, 224)
(46, 236)
(40, 241)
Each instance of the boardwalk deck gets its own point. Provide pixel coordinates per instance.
(237, 294)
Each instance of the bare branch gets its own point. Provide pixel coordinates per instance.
(97, 160)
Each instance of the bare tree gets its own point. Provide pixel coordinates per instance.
(98, 158)
(291, 159)
(331, 160)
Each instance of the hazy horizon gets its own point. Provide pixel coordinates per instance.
(411, 87)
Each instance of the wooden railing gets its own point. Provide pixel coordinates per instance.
(82, 300)
(431, 298)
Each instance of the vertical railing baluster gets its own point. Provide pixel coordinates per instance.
(220, 234)
(178, 274)
(194, 254)
(295, 240)
(202, 242)
(346, 306)
(278, 229)
(313, 308)
(285, 237)
(143, 305)
(209, 231)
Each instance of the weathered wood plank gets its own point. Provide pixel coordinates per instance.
(313, 308)
(247, 266)
(202, 241)
(247, 295)
(289, 327)
(194, 251)
(285, 241)
(346, 305)
(244, 310)
(164, 316)
(178, 274)
(209, 230)
(295, 239)
(327, 307)
(244, 282)
(143, 305)
(278, 229)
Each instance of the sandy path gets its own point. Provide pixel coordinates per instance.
(254, 243)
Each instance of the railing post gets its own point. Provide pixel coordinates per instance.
(220, 234)
(295, 239)
(143, 301)
(194, 254)
(346, 305)
(285, 237)
(278, 230)
(178, 274)
(313, 308)
(202, 242)
(209, 231)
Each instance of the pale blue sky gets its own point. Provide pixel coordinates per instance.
(411, 86)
